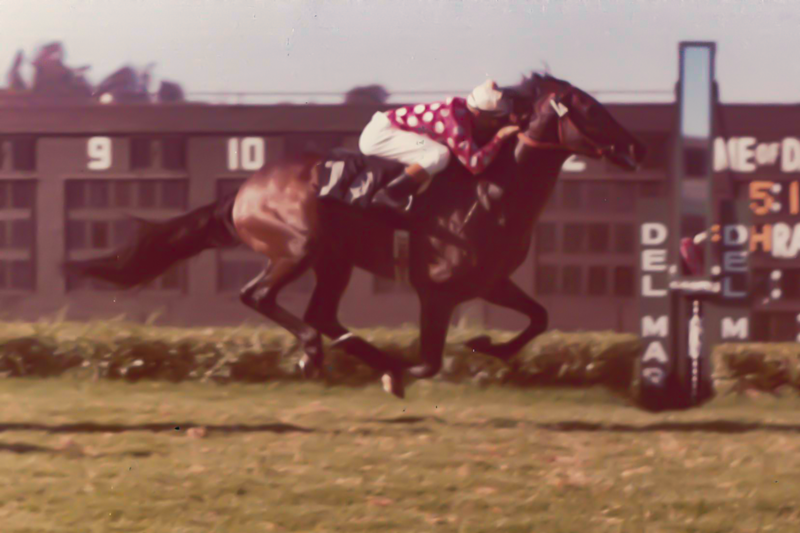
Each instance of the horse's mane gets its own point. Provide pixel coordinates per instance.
(532, 85)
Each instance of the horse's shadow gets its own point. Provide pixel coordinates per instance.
(91, 427)
(720, 426)
(725, 427)
(22, 448)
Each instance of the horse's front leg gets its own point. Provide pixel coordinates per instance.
(508, 294)
(333, 276)
(436, 311)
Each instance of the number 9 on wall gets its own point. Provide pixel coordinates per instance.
(247, 153)
(98, 149)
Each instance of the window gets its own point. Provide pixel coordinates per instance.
(623, 281)
(791, 284)
(599, 196)
(624, 238)
(650, 189)
(97, 193)
(168, 153)
(546, 238)
(597, 281)
(17, 235)
(136, 194)
(123, 194)
(573, 238)
(624, 197)
(571, 195)
(23, 154)
(571, 280)
(141, 153)
(96, 221)
(147, 194)
(173, 153)
(774, 327)
(598, 237)
(546, 279)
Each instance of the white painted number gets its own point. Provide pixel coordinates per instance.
(246, 154)
(99, 151)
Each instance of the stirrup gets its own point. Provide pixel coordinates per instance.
(383, 199)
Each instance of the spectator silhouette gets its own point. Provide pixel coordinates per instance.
(15, 81)
(53, 78)
(367, 95)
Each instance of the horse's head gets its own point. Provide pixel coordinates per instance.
(554, 114)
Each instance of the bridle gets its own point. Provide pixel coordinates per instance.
(564, 115)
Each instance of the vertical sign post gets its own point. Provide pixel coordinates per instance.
(675, 367)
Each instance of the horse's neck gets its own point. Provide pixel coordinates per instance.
(533, 184)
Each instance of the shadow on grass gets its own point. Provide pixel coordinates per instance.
(701, 426)
(406, 420)
(90, 427)
(23, 448)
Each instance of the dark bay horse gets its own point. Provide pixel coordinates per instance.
(278, 213)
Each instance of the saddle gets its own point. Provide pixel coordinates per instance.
(351, 177)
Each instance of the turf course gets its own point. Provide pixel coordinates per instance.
(78, 455)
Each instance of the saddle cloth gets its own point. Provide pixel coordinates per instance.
(353, 178)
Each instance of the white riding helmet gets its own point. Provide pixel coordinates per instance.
(487, 97)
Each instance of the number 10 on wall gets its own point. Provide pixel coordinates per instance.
(247, 153)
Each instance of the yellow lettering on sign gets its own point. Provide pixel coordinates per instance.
(764, 238)
(759, 192)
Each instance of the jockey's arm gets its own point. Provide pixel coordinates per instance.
(477, 159)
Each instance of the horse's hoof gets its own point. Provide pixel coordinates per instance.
(392, 383)
(308, 367)
(423, 371)
(482, 344)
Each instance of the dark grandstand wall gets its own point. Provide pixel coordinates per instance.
(68, 173)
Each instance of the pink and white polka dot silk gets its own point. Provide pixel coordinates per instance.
(448, 123)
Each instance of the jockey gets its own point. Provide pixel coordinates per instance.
(423, 136)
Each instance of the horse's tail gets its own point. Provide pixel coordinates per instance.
(159, 245)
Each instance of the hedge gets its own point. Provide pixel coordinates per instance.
(116, 349)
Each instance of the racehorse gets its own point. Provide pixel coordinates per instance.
(278, 213)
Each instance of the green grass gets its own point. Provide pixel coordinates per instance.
(105, 456)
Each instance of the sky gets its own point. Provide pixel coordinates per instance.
(417, 45)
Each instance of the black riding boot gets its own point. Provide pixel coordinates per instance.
(397, 195)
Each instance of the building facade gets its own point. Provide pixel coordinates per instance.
(70, 174)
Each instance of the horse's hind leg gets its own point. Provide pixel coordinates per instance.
(508, 294)
(262, 292)
(333, 276)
